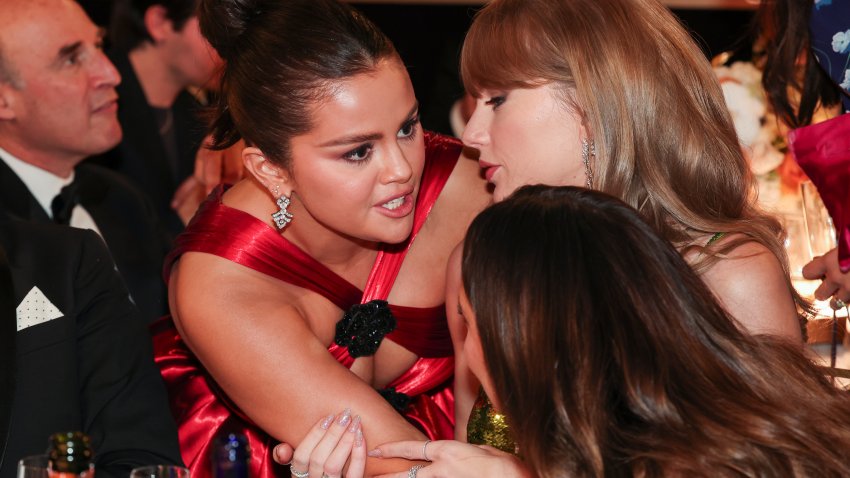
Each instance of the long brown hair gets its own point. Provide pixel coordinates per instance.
(665, 142)
(610, 356)
(794, 82)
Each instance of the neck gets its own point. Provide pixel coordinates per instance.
(159, 83)
(60, 165)
(338, 252)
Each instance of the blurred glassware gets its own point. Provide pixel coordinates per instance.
(34, 466)
(819, 227)
(160, 471)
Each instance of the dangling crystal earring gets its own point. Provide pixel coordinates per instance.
(283, 216)
(588, 149)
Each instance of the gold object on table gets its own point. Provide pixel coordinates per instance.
(486, 426)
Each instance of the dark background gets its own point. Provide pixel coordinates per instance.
(429, 37)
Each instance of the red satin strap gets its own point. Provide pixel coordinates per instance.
(415, 330)
(240, 237)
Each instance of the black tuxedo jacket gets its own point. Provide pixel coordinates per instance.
(91, 369)
(125, 217)
(141, 155)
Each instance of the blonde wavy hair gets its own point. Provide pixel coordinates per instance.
(664, 140)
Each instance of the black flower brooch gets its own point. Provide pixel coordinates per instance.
(398, 400)
(363, 327)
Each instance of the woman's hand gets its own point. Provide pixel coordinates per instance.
(451, 458)
(213, 167)
(326, 448)
(834, 283)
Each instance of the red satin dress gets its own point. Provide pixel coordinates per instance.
(201, 408)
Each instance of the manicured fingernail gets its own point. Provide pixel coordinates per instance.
(345, 418)
(354, 424)
(375, 453)
(327, 422)
(358, 438)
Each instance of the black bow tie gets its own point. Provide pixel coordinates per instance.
(64, 203)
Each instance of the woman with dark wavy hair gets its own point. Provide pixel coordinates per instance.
(609, 356)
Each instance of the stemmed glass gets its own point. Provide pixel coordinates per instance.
(820, 233)
(819, 228)
(34, 466)
(160, 471)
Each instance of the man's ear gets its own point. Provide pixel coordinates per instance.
(273, 177)
(7, 101)
(157, 23)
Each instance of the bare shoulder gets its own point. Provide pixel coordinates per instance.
(207, 293)
(753, 287)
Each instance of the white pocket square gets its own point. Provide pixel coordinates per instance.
(36, 309)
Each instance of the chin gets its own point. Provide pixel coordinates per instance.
(396, 235)
(107, 140)
(498, 195)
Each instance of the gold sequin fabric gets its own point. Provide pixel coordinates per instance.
(486, 426)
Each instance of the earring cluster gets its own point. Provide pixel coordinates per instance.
(588, 149)
(282, 217)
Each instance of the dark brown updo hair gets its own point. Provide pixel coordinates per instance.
(281, 57)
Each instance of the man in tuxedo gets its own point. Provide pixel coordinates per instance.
(158, 48)
(74, 354)
(57, 106)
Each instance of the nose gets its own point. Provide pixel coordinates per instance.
(475, 134)
(397, 168)
(104, 73)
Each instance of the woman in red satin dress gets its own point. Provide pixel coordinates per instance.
(317, 282)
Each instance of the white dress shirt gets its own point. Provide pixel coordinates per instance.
(45, 186)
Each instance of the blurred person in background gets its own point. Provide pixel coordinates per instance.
(158, 49)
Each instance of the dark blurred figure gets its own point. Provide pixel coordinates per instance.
(74, 353)
(158, 48)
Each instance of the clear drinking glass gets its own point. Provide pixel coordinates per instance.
(819, 228)
(34, 466)
(160, 471)
(796, 243)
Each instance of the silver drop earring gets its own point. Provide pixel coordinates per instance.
(282, 217)
(588, 149)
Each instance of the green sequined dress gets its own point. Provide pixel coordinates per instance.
(486, 426)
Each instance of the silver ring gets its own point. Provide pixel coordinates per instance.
(414, 470)
(299, 474)
(424, 447)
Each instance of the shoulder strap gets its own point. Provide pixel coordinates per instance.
(254, 244)
(441, 155)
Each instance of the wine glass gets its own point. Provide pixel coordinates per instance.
(160, 471)
(819, 227)
(796, 243)
(34, 466)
